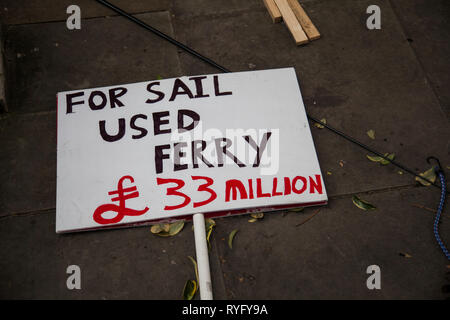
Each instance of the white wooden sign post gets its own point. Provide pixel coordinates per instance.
(165, 150)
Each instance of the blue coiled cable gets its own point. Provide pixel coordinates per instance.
(441, 176)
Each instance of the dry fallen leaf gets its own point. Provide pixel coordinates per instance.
(429, 174)
(371, 134)
(405, 255)
(190, 288)
(364, 205)
(231, 237)
(167, 229)
(209, 226)
(374, 158)
(156, 228)
(390, 156)
(195, 266)
(256, 216)
(381, 160)
(318, 125)
(209, 223)
(176, 227)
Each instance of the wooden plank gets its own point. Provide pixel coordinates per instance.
(291, 21)
(306, 23)
(274, 12)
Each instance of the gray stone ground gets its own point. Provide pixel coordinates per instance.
(394, 80)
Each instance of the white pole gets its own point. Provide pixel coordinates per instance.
(201, 250)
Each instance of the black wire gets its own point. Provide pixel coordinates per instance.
(214, 64)
(362, 145)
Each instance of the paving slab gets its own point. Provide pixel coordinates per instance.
(34, 11)
(426, 25)
(47, 58)
(358, 79)
(115, 264)
(27, 163)
(327, 257)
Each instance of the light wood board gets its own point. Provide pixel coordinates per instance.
(306, 23)
(274, 12)
(291, 21)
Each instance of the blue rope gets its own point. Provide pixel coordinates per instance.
(438, 216)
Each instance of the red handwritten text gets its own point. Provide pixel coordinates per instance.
(236, 189)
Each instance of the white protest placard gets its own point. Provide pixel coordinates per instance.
(165, 149)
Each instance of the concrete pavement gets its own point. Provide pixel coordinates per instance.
(392, 80)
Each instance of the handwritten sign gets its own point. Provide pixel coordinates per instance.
(163, 150)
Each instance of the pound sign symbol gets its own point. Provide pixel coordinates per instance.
(120, 209)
